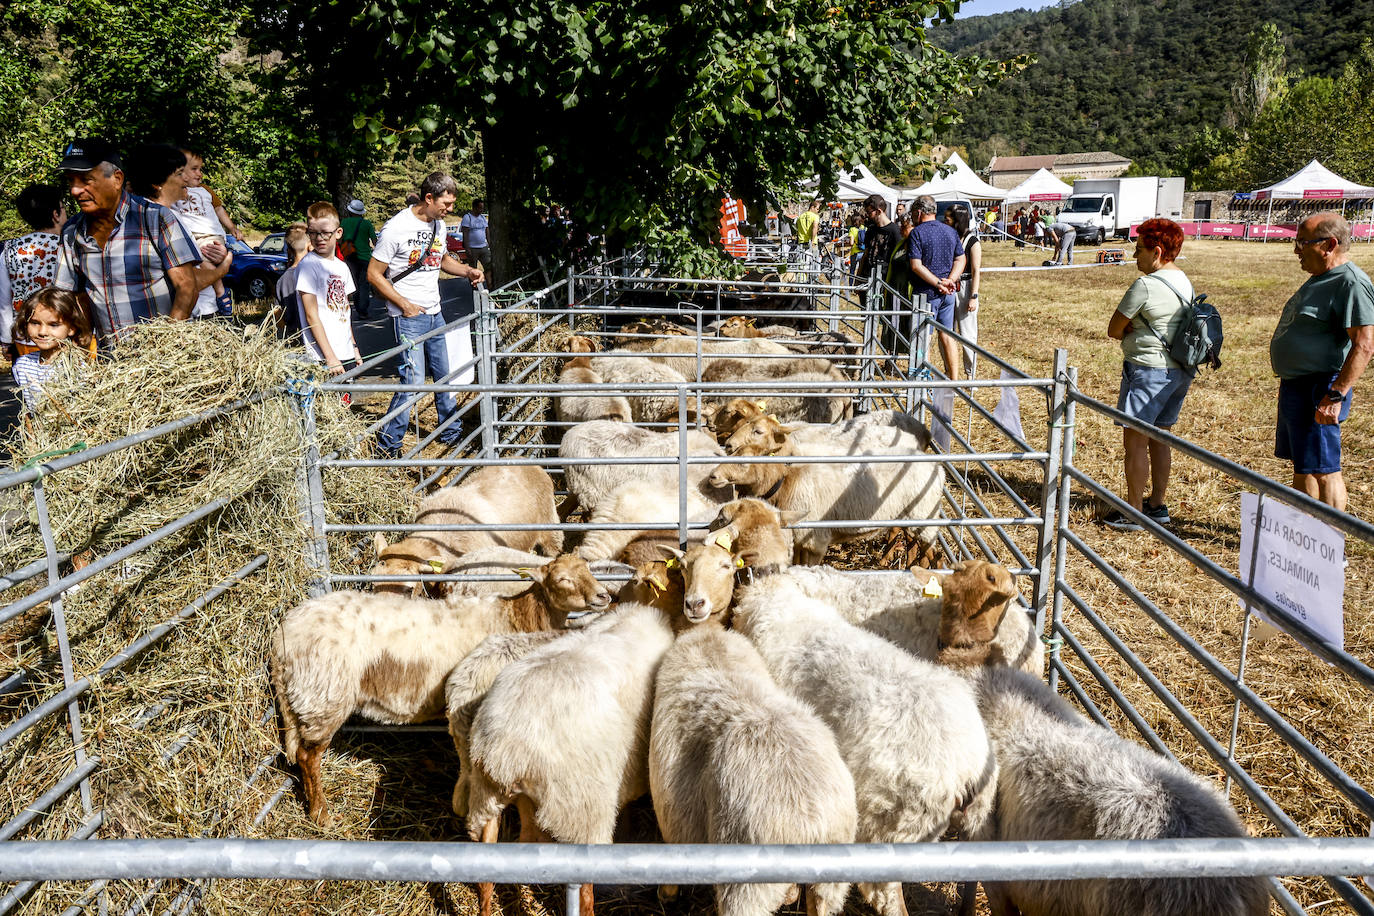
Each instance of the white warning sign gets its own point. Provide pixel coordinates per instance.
(1295, 561)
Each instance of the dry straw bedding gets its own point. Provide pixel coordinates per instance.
(396, 787)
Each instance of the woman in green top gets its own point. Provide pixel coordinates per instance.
(1153, 386)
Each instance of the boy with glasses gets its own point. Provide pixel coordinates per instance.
(323, 285)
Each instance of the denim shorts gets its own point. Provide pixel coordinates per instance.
(1151, 395)
(942, 307)
(1314, 448)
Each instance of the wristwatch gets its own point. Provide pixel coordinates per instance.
(1335, 394)
(973, 296)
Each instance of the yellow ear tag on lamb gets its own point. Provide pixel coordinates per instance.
(436, 565)
(670, 563)
(524, 572)
(761, 405)
(739, 562)
(933, 589)
(723, 540)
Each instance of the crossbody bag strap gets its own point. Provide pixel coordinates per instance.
(1146, 321)
(424, 253)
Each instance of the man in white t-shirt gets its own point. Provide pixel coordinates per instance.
(476, 245)
(404, 270)
(323, 285)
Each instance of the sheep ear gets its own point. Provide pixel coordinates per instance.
(436, 563)
(793, 427)
(379, 543)
(791, 516)
(535, 573)
(671, 551)
(708, 412)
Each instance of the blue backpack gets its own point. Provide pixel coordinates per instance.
(1199, 338)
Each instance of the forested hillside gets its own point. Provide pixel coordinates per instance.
(1142, 78)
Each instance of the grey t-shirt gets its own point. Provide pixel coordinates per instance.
(1312, 334)
(1154, 298)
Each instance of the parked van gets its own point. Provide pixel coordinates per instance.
(1102, 208)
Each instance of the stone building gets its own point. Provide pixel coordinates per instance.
(1009, 171)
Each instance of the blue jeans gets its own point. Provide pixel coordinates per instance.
(433, 352)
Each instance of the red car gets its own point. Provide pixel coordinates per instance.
(454, 237)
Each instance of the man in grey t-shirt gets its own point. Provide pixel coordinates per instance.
(1064, 236)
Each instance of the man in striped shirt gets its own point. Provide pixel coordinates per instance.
(131, 259)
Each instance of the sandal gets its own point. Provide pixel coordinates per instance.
(224, 305)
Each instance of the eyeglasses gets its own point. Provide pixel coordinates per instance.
(320, 233)
(1301, 242)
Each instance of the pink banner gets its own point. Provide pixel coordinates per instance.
(1222, 230)
(1364, 231)
(1329, 194)
(1047, 197)
(1272, 232)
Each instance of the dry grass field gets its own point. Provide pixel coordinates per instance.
(397, 786)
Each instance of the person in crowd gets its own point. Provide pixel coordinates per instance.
(404, 270)
(52, 318)
(898, 277)
(1037, 226)
(323, 285)
(966, 307)
(1153, 385)
(1319, 350)
(195, 178)
(130, 258)
(881, 237)
(808, 225)
(198, 212)
(355, 247)
(856, 243)
(937, 261)
(901, 210)
(29, 263)
(296, 244)
(476, 245)
(156, 172)
(1062, 235)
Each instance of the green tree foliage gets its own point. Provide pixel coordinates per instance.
(1262, 73)
(639, 114)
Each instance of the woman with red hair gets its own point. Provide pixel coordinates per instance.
(1152, 385)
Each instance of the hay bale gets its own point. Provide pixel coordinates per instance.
(210, 674)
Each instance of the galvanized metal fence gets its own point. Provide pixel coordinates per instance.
(1007, 498)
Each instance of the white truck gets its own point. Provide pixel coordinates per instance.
(1101, 208)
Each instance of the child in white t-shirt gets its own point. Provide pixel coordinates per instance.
(197, 212)
(297, 245)
(323, 285)
(53, 319)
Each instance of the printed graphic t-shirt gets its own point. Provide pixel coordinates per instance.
(400, 245)
(330, 282)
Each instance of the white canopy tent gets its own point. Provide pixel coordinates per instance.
(852, 190)
(961, 183)
(1314, 181)
(1040, 186)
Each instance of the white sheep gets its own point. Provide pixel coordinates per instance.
(842, 492)
(626, 368)
(1118, 791)
(578, 408)
(638, 501)
(386, 656)
(589, 485)
(490, 495)
(735, 759)
(511, 564)
(908, 729)
(564, 731)
(897, 607)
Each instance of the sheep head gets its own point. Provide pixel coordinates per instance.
(573, 594)
(764, 434)
(727, 418)
(708, 576)
(656, 585)
(738, 326)
(412, 556)
(975, 599)
(579, 344)
(756, 529)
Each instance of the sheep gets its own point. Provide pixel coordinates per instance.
(734, 759)
(908, 729)
(564, 731)
(576, 408)
(486, 496)
(758, 432)
(904, 609)
(503, 561)
(1118, 791)
(589, 485)
(851, 491)
(467, 685)
(810, 406)
(635, 369)
(743, 326)
(386, 656)
(638, 501)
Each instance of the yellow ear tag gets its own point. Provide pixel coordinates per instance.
(653, 584)
(933, 589)
(670, 563)
(723, 540)
(739, 562)
(436, 565)
(761, 405)
(524, 572)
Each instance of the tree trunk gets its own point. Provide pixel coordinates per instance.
(514, 233)
(339, 178)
